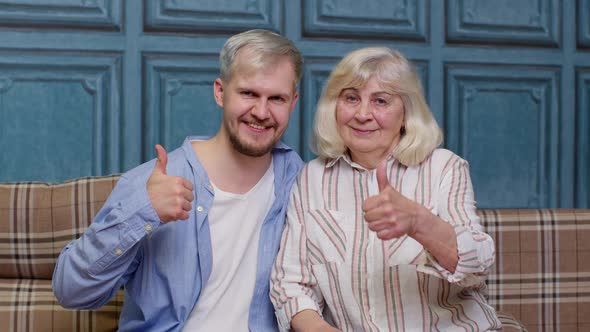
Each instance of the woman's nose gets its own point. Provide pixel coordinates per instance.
(363, 112)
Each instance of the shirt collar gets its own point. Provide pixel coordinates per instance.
(346, 158)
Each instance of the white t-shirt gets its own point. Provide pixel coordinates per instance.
(234, 221)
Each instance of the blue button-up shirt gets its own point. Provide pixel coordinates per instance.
(164, 267)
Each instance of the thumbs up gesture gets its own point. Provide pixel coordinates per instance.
(171, 196)
(389, 213)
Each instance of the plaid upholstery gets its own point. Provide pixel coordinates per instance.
(36, 221)
(541, 277)
(29, 305)
(542, 271)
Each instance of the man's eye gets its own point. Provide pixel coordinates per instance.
(247, 93)
(277, 99)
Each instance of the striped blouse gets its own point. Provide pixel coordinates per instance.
(331, 262)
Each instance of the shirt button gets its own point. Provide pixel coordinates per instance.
(200, 208)
(210, 187)
(118, 252)
(148, 227)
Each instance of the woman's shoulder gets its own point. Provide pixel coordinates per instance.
(315, 168)
(318, 163)
(443, 159)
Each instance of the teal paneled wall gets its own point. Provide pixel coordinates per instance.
(88, 87)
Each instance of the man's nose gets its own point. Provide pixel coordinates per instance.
(261, 110)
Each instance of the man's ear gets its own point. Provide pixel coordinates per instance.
(218, 91)
(295, 97)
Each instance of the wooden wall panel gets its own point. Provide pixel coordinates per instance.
(583, 138)
(178, 100)
(107, 79)
(213, 16)
(60, 112)
(503, 121)
(533, 22)
(583, 28)
(396, 19)
(79, 14)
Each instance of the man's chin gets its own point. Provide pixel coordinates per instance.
(249, 149)
(254, 152)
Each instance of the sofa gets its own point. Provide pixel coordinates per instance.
(541, 278)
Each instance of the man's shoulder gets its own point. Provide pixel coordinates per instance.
(291, 156)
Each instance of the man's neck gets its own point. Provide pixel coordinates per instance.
(228, 169)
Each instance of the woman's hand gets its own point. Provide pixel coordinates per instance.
(389, 213)
(392, 215)
(310, 321)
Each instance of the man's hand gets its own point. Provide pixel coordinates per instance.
(171, 196)
(389, 213)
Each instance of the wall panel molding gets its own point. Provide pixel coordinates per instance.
(315, 75)
(582, 138)
(397, 19)
(504, 121)
(178, 99)
(80, 14)
(213, 16)
(583, 31)
(530, 22)
(65, 110)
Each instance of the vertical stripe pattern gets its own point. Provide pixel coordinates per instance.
(328, 251)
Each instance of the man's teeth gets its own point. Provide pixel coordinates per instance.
(255, 126)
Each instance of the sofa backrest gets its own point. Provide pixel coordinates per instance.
(542, 269)
(37, 220)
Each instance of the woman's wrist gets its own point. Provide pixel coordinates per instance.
(422, 222)
(308, 320)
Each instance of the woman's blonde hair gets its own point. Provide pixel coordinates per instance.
(421, 134)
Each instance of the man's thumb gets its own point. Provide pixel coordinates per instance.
(162, 159)
(382, 175)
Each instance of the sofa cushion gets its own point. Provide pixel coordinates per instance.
(542, 266)
(29, 305)
(38, 219)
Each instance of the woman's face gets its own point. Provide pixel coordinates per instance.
(369, 120)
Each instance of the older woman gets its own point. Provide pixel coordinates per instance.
(382, 232)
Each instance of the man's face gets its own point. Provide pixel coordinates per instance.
(256, 105)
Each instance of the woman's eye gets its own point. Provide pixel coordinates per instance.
(351, 99)
(380, 101)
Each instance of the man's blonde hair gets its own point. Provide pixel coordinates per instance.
(264, 47)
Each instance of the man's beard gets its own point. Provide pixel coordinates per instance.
(246, 149)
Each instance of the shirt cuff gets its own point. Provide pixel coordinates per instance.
(291, 308)
(144, 218)
(474, 259)
(140, 219)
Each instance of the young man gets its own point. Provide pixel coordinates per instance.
(192, 236)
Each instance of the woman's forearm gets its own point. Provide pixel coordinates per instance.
(438, 238)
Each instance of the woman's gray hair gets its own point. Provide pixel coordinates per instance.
(421, 134)
(265, 48)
